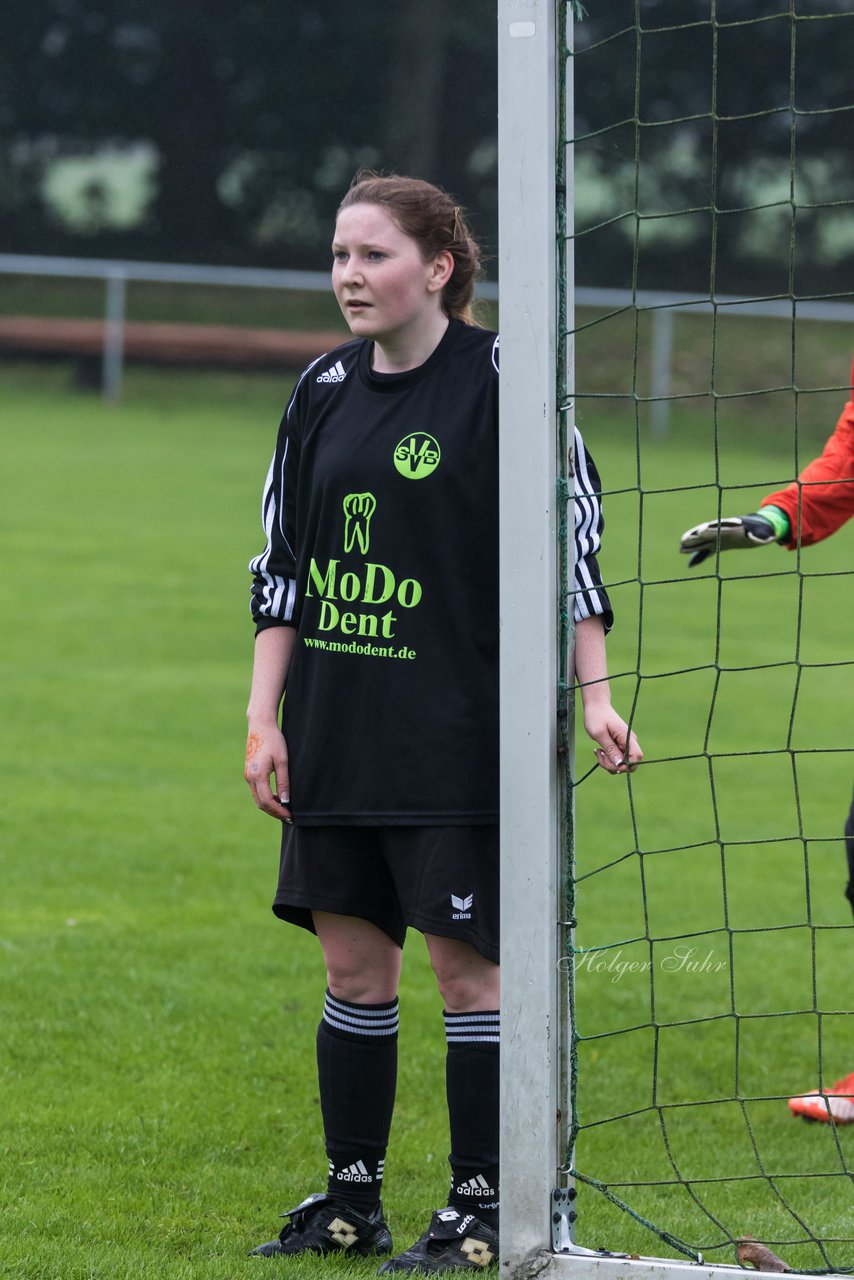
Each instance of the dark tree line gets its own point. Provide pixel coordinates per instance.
(258, 111)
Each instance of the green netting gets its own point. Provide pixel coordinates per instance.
(708, 947)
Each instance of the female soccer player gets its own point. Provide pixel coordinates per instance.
(376, 605)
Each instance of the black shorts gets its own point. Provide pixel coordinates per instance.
(439, 880)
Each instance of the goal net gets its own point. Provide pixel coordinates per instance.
(677, 221)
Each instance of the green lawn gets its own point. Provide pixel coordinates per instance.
(157, 1039)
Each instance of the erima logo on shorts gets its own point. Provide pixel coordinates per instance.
(462, 907)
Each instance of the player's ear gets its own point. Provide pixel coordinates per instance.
(441, 270)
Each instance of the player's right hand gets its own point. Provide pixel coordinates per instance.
(737, 533)
(266, 757)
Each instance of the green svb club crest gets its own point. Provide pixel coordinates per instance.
(417, 455)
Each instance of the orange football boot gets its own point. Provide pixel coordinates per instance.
(837, 1103)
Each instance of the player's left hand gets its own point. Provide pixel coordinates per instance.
(617, 749)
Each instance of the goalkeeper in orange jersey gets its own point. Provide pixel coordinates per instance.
(813, 507)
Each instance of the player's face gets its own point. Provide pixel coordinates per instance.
(383, 285)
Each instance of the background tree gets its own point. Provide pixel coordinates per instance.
(253, 114)
(257, 113)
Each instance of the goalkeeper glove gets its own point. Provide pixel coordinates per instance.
(736, 533)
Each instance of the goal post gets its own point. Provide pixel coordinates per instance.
(528, 618)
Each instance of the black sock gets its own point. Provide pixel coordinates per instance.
(472, 1083)
(357, 1073)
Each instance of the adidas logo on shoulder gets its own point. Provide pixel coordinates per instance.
(336, 374)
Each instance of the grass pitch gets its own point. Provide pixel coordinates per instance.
(158, 1023)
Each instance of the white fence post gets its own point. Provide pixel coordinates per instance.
(112, 361)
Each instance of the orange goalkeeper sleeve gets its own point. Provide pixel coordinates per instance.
(822, 498)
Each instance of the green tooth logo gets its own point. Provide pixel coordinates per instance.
(417, 455)
(358, 509)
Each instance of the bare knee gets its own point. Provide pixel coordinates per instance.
(362, 962)
(467, 980)
(361, 986)
(463, 993)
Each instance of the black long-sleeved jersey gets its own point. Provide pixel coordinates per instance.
(381, 515)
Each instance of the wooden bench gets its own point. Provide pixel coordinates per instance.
(171, 344)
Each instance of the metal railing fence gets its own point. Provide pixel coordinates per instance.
(662, 306)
